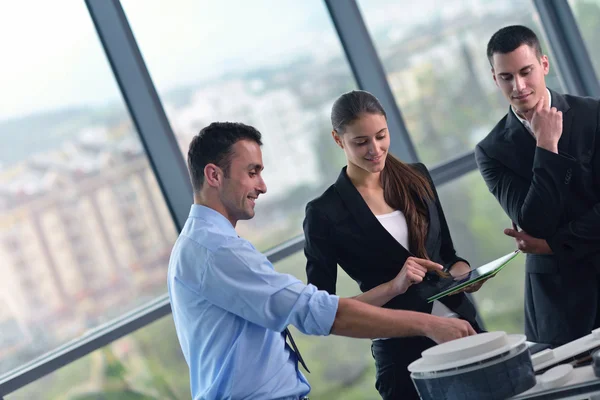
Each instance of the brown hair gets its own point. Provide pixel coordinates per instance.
(404, 188)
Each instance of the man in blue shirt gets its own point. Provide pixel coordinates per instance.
(229, 305)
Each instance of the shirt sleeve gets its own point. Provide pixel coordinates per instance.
(243, 281)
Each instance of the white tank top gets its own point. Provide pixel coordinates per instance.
(395, 224)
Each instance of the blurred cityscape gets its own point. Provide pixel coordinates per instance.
(85, 233)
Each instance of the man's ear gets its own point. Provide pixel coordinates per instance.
(494, 76)
(337, 139)
(213, 175)
(545, 64)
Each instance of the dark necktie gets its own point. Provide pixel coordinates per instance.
(287, 335)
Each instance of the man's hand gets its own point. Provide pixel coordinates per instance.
(442, 329)
(546, 123)
(461, 268)
(527, 243)
(412, 272)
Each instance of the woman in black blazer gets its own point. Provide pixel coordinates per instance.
(387, 258)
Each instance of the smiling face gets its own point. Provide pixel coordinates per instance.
(366, 142)
(244, 182)
(520, 75)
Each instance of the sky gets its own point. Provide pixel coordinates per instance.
(52, 57)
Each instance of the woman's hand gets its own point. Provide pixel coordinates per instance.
(461, 268)
(413, 271)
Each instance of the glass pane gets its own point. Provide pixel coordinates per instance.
(84, 231)
(149, 363)
(145, 365)
(587, 14)
(477, 223)
(341, 368)
(225, 61)
(435, 60)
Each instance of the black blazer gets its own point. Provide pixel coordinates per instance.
(555, 197)
(340, 228)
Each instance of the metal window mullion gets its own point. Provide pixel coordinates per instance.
(83, 346)
(159, 142)
(453, 169)
(369, 72)
(570, 53)
(164, 156)
(144, 105)
(124, 325)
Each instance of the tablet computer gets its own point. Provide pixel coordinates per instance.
(437, 287)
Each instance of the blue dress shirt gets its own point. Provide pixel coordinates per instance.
(230, 307)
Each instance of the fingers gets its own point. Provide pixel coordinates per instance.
(414, 278)
(429, 265)
(559, 117)
(412, 265)
(416, 271)
(540, 105)
(465, 328)
(474, 287)
(470, 330)
(450, 329)
(511, 232)
(529, 114)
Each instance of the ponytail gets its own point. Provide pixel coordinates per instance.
(407, 190)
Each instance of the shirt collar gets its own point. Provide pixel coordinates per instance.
(215, 217)
(523, 120)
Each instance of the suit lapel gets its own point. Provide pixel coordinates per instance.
(433, 227)
(366, 220)
(561, 104)
(520, 150)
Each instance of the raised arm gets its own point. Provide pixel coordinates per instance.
(321, 263)
(534, 205)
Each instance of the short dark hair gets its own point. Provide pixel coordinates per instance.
(214, 144)
(510, 38)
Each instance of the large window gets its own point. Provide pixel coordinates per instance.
(476, 223)
(435, 59)
(84, 231)
(148, 364)
(587, 14)
(276, 65)
(341, 368)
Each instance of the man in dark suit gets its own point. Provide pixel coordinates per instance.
(542, 163)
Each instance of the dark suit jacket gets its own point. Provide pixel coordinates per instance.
(555, 197)
(341, 229)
